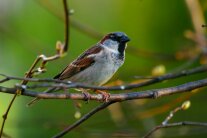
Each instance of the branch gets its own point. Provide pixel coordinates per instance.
(83, 119)
(165, 123)
(113, 97)
(155, 93)
(168, 76)
(68, 84)
(184, 106)
(184, 123)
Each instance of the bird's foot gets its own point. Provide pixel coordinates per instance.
(105, 95)
(87, 95)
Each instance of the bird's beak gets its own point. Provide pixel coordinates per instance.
(125, 39)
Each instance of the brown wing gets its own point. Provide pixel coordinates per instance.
(80, 64)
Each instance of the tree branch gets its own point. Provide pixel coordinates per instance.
(152, 94)
(168, 76)
(184, 123)
(155, 93)
(67, 84)
(165, 123)
(113, 97)
(83, 119)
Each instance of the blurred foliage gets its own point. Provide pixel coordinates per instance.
(27, 29)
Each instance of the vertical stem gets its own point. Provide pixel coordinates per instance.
(6, 114)
(198, 19)
(66, 10)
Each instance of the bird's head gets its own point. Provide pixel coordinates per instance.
(115, 41)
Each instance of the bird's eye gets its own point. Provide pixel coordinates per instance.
(112, 36)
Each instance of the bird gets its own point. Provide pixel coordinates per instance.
(96, 65)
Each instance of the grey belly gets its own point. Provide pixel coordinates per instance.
(97, 74)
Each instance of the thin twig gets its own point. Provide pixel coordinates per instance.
(198, 18)
(18, 91)
(29, 74)
(67, 24)
(6, 114)
(184, 123)
(83, 119)
(165, 123)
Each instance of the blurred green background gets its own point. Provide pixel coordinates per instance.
(158, 31)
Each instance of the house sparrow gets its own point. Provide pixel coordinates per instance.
(98, 64)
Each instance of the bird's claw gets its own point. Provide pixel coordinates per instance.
(87, 96)
(105, 95)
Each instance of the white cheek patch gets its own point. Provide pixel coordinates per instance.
(110, 45)
(111, 50)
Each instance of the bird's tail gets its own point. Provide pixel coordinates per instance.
(36, 99)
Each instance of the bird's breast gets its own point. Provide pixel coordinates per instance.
(104, 67)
